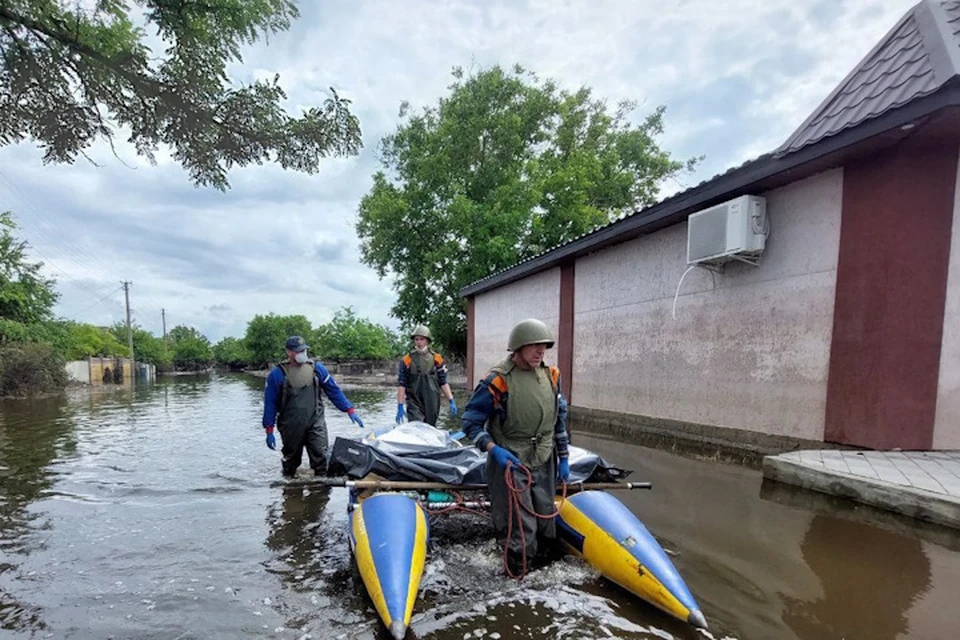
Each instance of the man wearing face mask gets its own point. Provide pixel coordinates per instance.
(292, 401)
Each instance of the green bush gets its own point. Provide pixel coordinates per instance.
(30, 368)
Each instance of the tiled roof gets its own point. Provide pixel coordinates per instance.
(918, 56)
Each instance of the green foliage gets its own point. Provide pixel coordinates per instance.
(266, 335)
(349, 337)
(146, 346)
(503, 168)
(30, 368)
(70, 71)
(191, 349)
(26, 297)
(77, 341)
(231, 352)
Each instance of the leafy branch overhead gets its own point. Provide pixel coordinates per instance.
(504, 167)
(70, 72)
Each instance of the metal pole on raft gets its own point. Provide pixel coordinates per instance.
(410, 485)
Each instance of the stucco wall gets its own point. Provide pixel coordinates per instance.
(498, 310)
(79, 371)
(749, 348)
(946, 431)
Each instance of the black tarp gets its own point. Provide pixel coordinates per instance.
(419, 452)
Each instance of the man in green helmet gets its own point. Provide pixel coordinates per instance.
(518, 415)
(421, 376)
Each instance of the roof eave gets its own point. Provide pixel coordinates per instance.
(728, 184)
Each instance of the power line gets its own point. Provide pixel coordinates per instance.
(70, 251)
(74, 315)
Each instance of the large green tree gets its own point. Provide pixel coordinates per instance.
(26, 296)
(232, 353)
(71, 71)
(350, 337)
(504, 167)
(191, 349)
(146, 346)
(267, 334)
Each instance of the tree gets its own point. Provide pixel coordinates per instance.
(232, 353)
(503, 168)
(266, 336)
(349, 337)
(81, 341)
(26, 297)
(70, 71)
(191, 349)
(146, 346)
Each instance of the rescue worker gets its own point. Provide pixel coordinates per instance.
(293, 403)
(421, 376)
(517, 415)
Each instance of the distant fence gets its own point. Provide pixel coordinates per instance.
(100, 371)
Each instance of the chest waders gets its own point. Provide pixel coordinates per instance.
(423, 387)
(526, 414)
(300, 419)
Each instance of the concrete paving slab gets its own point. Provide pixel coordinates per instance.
(915, 484)
(859, 466)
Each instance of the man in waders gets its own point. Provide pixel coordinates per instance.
(518, 415)
(421, 376)
(293, 402)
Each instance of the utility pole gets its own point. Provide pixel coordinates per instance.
(163, 318)
(133, 359)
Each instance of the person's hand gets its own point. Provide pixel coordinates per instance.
(503, 457)
(453, 408)
(563, 470)
(401, 414)
(355, 418)
(271, 439)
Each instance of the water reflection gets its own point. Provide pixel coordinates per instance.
(299, 536)
(33, 434)
(870, 579)
(149, 512)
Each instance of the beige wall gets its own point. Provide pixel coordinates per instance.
(498, 310)
(749, 348)
(946, 432)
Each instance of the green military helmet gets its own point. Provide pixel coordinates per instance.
(421, 330)
(530, 331)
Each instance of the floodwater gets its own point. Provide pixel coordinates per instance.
(150, 513)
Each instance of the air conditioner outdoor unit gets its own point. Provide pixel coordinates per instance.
(734, 230)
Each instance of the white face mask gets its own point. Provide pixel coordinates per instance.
(301, 357)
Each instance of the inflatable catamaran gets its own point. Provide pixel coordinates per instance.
(398, 478)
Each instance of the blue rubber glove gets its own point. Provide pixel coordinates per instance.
(453, 408)
(502, 456)
(401, 414)
(563, 470)
(271, 439)
(356, 418)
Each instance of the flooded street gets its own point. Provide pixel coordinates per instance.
(150, 514)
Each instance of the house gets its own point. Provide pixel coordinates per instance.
(846, 331)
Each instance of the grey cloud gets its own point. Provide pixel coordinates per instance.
(329, 251)
(219, 308)
(733, 77)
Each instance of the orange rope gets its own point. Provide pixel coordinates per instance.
(514, 504)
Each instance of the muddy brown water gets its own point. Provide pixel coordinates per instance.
(150, 513)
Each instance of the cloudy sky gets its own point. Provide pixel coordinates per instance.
(736, 76)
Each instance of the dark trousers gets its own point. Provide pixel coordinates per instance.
(539, 534)
(296, 438)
